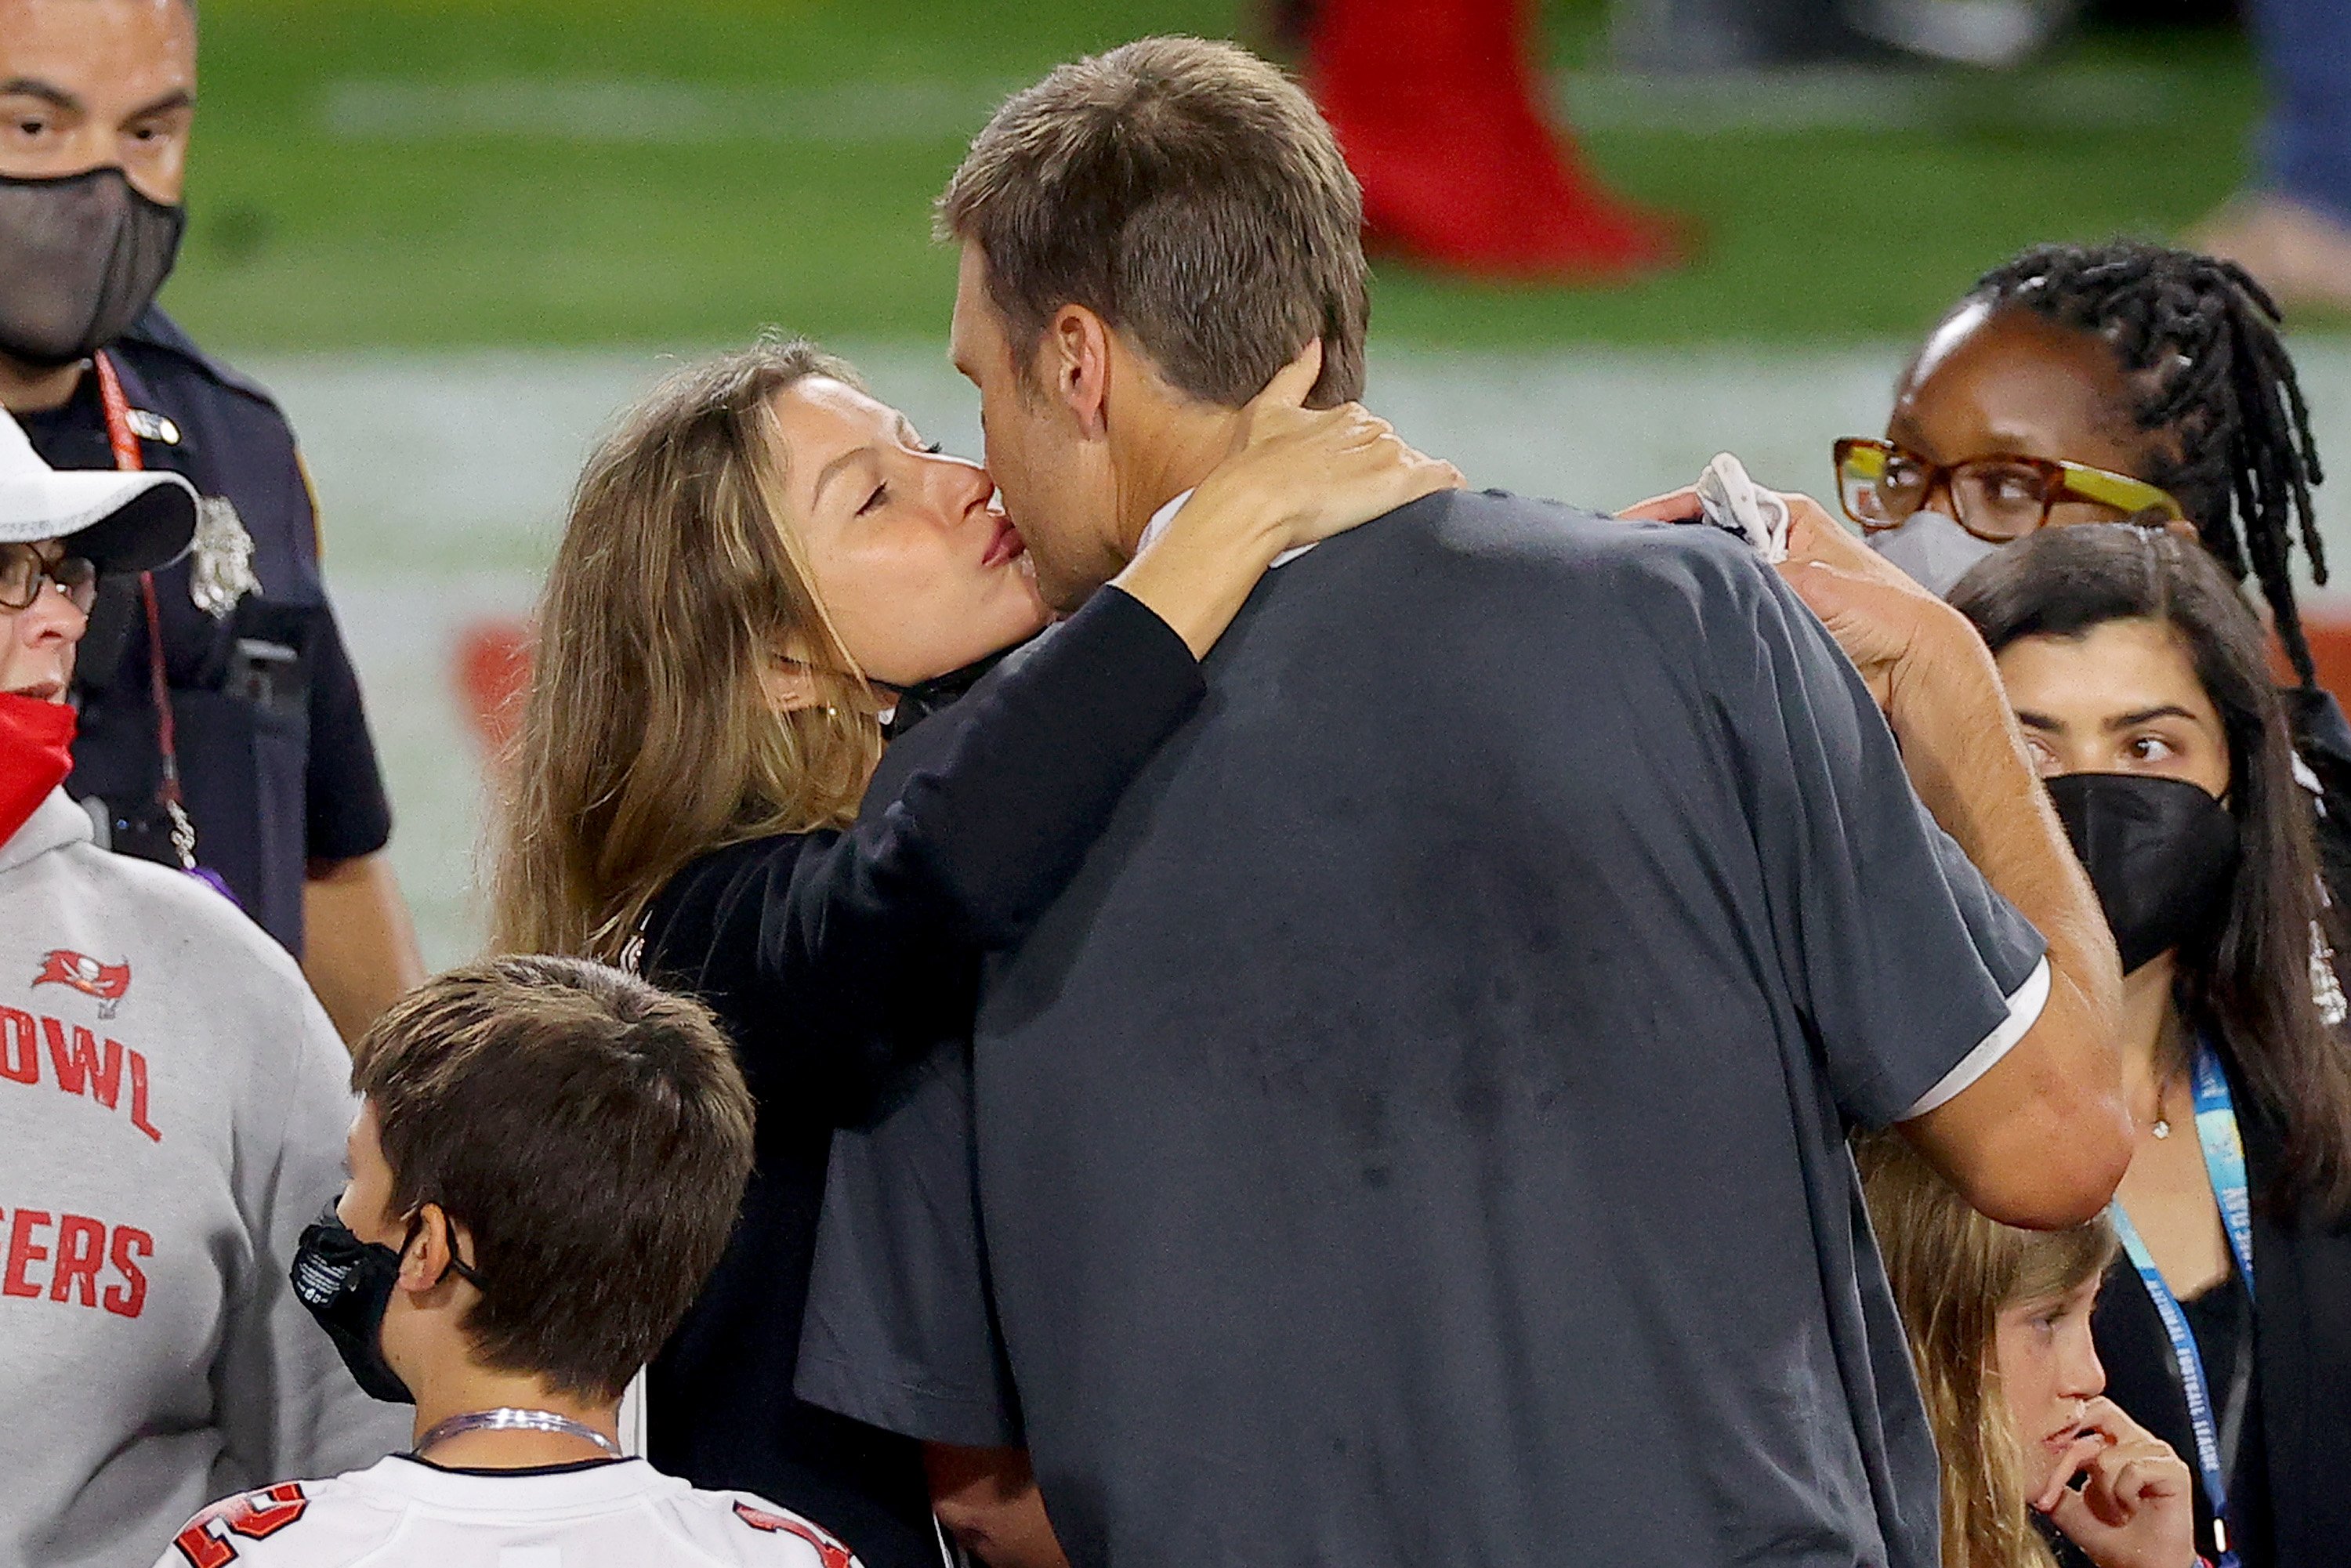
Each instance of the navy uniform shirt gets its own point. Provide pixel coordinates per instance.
(1417, 1136)
(276, 761)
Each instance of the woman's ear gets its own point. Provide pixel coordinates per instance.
(789, 684)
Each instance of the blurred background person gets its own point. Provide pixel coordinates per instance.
(221, 718)
(1442, 107)
(2138, 676)
(172, 1101)
(2092, 383)
(2293, 231)
(761, 562)
(1999, 1324)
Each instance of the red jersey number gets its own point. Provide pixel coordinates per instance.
(255, 1516)
(833, 1552)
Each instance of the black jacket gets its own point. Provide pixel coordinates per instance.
(275, 755)
(2289, 1499)
(831, 957)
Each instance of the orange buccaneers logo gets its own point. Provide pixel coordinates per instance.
(106, 982)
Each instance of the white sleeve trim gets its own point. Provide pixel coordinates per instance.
(2024, 1012)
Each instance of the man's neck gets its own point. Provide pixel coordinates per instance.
(35, 389)
(473, 1391)
(1171, 453)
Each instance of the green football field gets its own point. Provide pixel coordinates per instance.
(566, 173)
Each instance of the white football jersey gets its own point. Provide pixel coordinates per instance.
(401, 1513)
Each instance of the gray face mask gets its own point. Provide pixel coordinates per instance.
(80, 257)
(1933, 550)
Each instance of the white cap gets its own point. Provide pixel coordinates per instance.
(119, 521)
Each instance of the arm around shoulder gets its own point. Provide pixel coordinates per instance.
(2041, 1137)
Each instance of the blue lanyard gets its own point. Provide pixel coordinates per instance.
(2224, 1163)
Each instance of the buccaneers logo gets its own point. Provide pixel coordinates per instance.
(106, 982)
(828, 1549)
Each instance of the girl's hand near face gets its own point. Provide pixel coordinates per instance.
(1294, 476)
(2136, 1507)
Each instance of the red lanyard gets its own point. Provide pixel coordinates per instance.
(127, 456)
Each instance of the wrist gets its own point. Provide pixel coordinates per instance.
(1946, 683)
(1231, 518)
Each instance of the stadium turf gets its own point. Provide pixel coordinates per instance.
(553, 172)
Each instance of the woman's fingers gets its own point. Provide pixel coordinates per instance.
(1293, 383)
(1366, 480)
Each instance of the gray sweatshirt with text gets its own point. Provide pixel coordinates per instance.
(173, 1108)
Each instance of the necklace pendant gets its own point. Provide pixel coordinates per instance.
(2162, 1128)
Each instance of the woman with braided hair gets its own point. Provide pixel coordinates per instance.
(2097, 383)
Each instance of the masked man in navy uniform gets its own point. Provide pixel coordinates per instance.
(259, 765)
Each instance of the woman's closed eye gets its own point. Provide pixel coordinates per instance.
(879, 498)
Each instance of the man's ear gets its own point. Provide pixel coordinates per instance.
(1073, 362)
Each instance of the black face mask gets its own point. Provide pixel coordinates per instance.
(80, 257)
(2161, 853)
(346, 1285)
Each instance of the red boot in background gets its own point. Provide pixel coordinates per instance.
(1439, 106)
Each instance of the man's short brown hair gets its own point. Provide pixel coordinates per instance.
(1189, 194)
(592, 1135)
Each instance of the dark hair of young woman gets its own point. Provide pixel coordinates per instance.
(2250, 982)
(2198, 339)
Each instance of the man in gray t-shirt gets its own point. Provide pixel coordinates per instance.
(1417, 1135)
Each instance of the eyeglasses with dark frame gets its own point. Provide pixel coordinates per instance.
(23, 571)
(1996, 499)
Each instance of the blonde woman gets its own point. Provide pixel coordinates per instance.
(1999, 1323)
(761, 563)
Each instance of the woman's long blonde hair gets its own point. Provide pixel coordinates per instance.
(1954, 1272)
(648, 737)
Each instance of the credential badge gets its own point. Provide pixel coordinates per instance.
(222, 571)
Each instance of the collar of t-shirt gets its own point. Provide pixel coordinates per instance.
(1166, 515)
(558, 1487)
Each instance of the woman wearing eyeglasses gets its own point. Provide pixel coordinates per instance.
(2101, 383)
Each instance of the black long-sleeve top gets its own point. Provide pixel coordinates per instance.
(831, 957)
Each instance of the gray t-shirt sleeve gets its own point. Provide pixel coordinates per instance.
(1910, 970)
(899, 1331)
(286, 1405)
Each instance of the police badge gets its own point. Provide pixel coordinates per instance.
(221, 571)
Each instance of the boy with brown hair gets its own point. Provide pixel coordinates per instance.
(546, 1164)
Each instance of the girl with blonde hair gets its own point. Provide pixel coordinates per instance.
(763, 566)
(1999, 1325)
